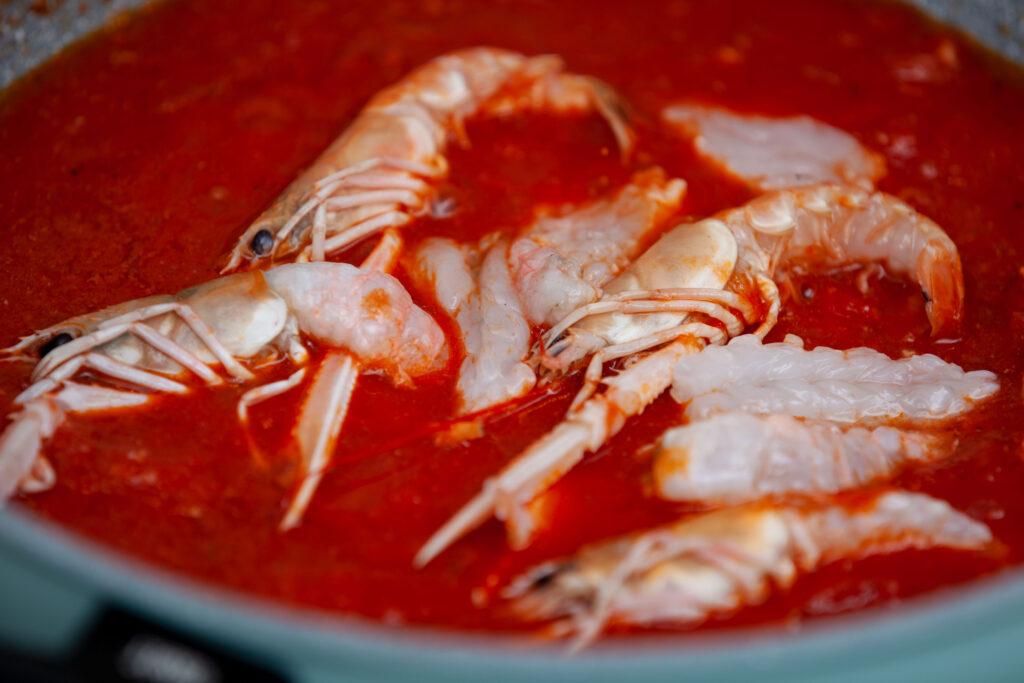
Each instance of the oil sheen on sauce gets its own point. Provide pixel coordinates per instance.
(134, 160)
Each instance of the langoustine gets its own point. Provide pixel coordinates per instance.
(384, 169)
(852, 386)
(771, 420)
(473, 286)
(703, 283)
(154, 344)
(714, 563)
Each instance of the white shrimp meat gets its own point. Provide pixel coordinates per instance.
(481, 300)
(736, 457)
(841, 386)
(776, 153)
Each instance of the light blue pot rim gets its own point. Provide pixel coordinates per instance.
(975, 630)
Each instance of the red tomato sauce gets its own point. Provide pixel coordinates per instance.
(133, 160)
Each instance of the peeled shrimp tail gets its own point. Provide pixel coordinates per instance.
(480, 299)
(896, 520)
(840, 397)
(775, 153)
(735, 458)
(850, 386)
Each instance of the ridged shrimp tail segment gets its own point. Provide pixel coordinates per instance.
(732, 458)
(846, 387)
(895, 520)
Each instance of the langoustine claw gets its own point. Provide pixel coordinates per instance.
(508, 493)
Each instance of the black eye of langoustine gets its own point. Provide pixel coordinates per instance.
(58, 340)
(261, 243)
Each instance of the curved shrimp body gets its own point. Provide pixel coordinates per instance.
(383, 170)
(365, 318)
(830, 225)
(717, 562)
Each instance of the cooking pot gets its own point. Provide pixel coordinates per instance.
(72, 610)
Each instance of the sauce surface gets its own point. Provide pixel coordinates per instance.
(134, 160)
